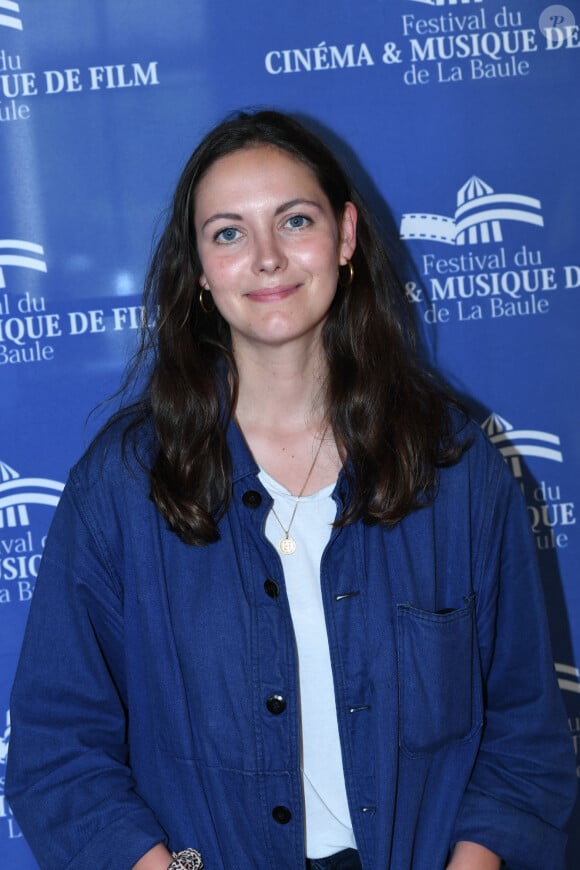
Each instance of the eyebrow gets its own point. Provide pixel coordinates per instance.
(232, 216)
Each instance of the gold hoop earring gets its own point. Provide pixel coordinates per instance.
(202, 304)
(346, 282)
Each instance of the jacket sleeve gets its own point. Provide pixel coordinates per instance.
(69, 780)
(523, 783)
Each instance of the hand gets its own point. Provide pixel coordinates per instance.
(157, 858)
(472, 856)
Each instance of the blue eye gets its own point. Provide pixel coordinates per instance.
(228, 234)
(297, 221)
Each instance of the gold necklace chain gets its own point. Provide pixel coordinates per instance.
(287, 544)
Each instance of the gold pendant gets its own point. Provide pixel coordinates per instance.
(287, 545)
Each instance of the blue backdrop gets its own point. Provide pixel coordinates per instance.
(460, 122)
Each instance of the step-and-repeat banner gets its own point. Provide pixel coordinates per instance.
(460, 120)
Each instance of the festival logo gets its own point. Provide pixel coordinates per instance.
(464, 42)
(21, 544)
(446, 2)
(21, 84)
(29, 330)
(23, 526)
(461, 41)
(551, 515)
(26, 255)
(10, 14)
(568, 677)
(25, 323)
(6, 817)
(477, 218)
(5, 739)
(443, 42)
(488, 277)
(569, 681)
(515, 443)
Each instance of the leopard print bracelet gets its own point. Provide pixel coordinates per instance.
(189, 859)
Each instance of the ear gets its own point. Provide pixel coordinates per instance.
(203, 282)
(347, 230)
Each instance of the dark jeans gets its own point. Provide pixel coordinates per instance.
(345, 860)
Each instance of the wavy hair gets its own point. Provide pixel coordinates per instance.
(389, 416)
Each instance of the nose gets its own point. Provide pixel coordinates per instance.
(269, 255)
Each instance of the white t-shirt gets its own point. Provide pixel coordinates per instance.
(328, 824)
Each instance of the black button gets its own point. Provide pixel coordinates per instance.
(282, 815)
(252, 499)
(276, 704)
(271, 588)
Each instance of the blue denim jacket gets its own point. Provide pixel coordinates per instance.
(140, 714)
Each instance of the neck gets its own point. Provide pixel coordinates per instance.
(281, 390)
(281, 411)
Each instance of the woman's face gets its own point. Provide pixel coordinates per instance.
(270, 246)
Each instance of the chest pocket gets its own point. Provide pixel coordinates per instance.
(439, 679)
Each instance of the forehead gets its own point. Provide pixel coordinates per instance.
(256, 170)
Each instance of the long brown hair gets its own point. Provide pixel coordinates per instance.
(390, 418)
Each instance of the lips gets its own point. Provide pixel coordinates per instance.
(272, 294)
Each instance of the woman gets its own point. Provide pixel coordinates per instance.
(282, 611)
